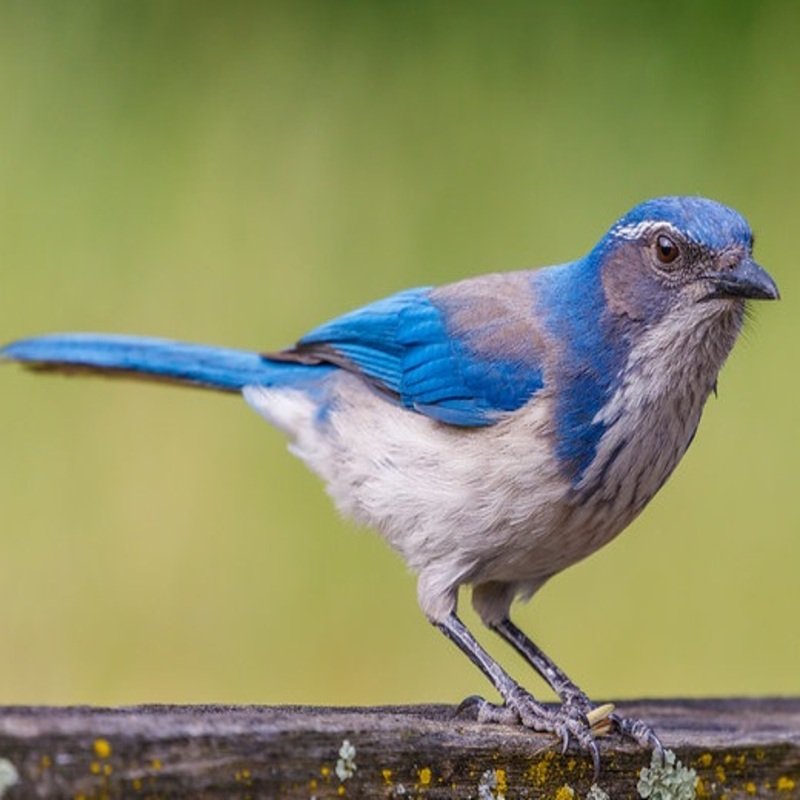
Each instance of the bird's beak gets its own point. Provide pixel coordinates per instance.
(746, 280)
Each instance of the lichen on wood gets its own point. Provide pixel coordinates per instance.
(737, 748)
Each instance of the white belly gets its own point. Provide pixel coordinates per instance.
(493, 504)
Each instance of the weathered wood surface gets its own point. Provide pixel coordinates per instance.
(739, 748)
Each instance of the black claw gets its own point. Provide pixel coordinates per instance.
(594, 751)
(658, 748)
(470, 705)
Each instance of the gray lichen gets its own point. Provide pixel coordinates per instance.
(667, 781)
(488, 788)
(8, 775)
(596, 793)
(346, 765)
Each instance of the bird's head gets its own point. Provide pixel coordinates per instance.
(680, 252)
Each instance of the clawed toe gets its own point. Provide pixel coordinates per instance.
(640, 732)
(481, 710)
(572, 724)
(498, 714)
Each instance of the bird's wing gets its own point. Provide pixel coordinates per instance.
(462, 355)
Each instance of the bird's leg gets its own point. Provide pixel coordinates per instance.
(573, 698)
(520, 705)
(567, 691)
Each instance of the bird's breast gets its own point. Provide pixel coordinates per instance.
(651, 418)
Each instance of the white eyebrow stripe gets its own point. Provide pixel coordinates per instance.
(638, 230)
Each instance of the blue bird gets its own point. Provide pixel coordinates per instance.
(499, 429)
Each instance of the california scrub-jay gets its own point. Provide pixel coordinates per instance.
(498, 429)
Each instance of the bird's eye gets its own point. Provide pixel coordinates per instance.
(666, 249)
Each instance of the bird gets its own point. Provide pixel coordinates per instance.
(498, 429)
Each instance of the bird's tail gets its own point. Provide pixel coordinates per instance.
(219, 368)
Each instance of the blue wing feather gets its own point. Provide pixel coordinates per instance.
(411, 346)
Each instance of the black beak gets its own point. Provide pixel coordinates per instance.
(746, 279)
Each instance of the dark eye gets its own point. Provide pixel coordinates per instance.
(666, 249)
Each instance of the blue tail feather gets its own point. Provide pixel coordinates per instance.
(224, 369)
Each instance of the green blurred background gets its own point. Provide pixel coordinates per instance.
(237, 173)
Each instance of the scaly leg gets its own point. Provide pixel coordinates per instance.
(520, 705)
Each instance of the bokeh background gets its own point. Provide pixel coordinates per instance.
(237, 173)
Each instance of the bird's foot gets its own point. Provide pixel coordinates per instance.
(569, 722)
(576, 719)
(640, 732)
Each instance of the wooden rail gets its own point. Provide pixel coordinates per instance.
(738, 749)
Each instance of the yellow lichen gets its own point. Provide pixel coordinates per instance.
(785, 784)
(102, 748)
(156, 764)
(94, 768)
(501, 781)
(387, 776)
(325, 772)
(137, 785)
(750, 787)
(720, 774)
(565, 793)
(539, 771)
(702, 788)
(424, 776)
(705, 760)
(242, 776)
(341, 790)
